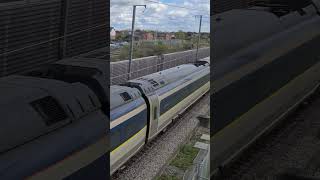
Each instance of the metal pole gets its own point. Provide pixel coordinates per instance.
(132, 39)
(199, 35)
(131, 42)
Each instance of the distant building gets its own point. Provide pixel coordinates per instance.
(123, 35)
(113, 33)
(165, 36)
(148, 36)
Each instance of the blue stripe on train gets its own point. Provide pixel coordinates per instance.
(128, 128)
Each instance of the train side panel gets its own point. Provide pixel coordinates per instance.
(50, 124)
(178, 99)
(128, 131)
(278, 74)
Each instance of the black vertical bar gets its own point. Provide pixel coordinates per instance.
(63, 28)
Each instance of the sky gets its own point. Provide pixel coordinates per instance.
(161, 17)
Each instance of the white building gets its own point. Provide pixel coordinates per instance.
(113, 33)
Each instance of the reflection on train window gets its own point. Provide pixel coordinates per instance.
(125, 96)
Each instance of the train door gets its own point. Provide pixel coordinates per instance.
(154, 116)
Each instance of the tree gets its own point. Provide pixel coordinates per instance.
(180, 35)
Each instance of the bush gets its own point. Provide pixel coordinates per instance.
(160, 48)
(185, 157)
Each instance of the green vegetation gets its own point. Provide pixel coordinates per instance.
(180, 35)
(185, 157)
(154, 48)
(167, 177)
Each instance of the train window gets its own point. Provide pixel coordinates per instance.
(155, 113)
(130, 130)
(178, 96)
(49, 109)
(125, 96)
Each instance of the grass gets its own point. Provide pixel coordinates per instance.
(167, 177)
(185, 157)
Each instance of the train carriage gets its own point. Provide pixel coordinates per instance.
(68, 147)
(47, 130)
(170, 92)
(128, 125)
(141, 108)
(259, 79)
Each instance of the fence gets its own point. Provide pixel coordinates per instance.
(152, 64)
(37, 32)
(200, 170)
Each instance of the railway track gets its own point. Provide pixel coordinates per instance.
(290, 150)
(149, 161)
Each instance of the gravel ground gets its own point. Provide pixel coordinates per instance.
(170, 170)
(149, 162)
(293, 148)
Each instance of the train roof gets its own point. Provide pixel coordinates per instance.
(36, 106)
(152, 82)
(121, 95)
(237, 29)
(90, 71)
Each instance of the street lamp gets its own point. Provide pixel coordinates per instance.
(132, 39)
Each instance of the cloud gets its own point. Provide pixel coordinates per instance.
(160, 16)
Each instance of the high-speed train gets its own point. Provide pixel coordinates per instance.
(143, 107)
(56, 119)
(266, 61)
(54, 122)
